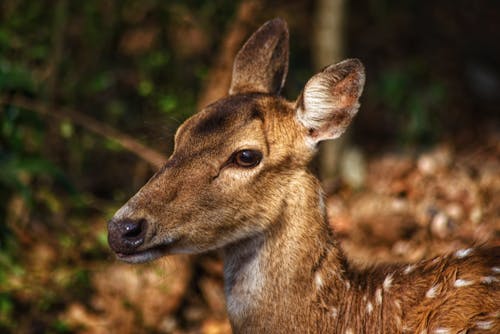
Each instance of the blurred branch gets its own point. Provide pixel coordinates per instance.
(219, 78)
(153, 157)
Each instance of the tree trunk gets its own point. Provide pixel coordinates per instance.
(329, 48)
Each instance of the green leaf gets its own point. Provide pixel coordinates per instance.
(167, 103)
(145, 87)
(66, 129)
(14, 77)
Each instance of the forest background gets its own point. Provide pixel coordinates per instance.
(91, 94)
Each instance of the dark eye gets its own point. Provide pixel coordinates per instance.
(247, 158)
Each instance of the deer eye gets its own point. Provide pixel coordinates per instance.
(247, 158)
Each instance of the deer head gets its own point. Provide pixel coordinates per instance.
(234, 161)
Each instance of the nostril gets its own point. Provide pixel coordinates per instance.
(134, 229)
(126, 235)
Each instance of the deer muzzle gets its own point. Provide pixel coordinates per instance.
(125, 236)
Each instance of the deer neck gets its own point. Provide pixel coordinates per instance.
(282, 268)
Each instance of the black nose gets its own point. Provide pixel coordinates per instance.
(126, 235)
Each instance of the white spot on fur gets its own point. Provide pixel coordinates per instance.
(409, 268)
(489, 279)
(459, 283)
(487, 324)
(461, 253)
(387, 282)
(334, 312)
(496, 270)
(397, 302)
(349, 331)
(318, 280)
(378, 296)
(398, 321)
(441, 330)
(369, 307)
(347, 285)
(364, 298)
(431, 293)
(424, 331)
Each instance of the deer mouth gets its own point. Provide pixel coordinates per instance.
(147, 255)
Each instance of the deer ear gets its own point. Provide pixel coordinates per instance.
(330, 100)
(262, 63)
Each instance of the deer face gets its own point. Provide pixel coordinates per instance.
(222, 182)
(232, 162)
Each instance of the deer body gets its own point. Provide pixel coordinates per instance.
(238, 181)
(296, 279)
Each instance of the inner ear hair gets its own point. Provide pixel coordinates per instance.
(330, 99)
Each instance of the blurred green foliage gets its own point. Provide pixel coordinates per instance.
(121, 62)
(413, 99)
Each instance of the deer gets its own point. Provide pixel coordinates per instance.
(238, 181)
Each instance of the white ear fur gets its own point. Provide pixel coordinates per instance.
(331, 99)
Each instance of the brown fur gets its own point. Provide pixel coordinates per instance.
(284, 271)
